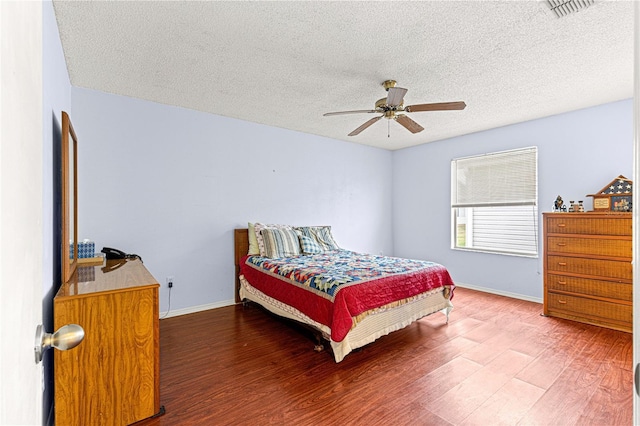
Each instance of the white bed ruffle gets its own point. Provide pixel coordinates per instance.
(375, 324)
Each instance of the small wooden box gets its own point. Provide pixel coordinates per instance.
(615, 197)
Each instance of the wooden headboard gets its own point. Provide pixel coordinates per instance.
(241, 248)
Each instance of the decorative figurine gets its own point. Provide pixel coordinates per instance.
(558, 205)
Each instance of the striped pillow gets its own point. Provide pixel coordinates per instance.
(258, 227)
(322, 235)
(280, 243)
(309, 245)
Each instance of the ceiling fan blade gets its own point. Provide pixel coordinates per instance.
(395, 96)
(442, 106)
(349, 112)
(365, 125)
(409, 124)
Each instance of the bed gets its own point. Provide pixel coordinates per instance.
(351, 308)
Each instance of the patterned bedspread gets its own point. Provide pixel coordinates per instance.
(335, 287)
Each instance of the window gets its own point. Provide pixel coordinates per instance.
(494, 202)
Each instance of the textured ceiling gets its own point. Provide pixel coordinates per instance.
(284, 64)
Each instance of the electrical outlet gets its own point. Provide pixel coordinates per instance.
(169, 282)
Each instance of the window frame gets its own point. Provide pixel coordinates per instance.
(512, 163)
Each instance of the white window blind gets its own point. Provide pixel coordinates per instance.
(494, 202)
(504, 178)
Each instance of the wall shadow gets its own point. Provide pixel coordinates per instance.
(56, 268)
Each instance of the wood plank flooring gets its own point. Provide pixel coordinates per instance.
(497, 362)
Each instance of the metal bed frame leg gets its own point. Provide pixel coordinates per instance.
(446, 311)
(319, 346)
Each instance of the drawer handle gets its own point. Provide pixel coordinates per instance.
(562, 244)
(562, 282)
(562, 302)
(562, 263)
(562, 225)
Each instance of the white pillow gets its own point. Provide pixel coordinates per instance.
(254, 250)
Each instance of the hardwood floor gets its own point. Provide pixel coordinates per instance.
(496, 362)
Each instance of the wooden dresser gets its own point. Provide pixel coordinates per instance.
(113, 376)
(587, 268)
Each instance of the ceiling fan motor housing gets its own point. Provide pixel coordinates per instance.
(389, 111)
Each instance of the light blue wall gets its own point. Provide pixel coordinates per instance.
(578, 153)
(171, 184)
(56, 97)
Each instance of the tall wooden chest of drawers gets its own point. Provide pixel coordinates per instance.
(588, 275)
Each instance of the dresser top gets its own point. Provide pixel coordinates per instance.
(112, 275)
(612, 215)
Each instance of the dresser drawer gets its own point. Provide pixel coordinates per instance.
(589, 308)
(585, 225)
(592, 267)
(590, 246)
(598, 288)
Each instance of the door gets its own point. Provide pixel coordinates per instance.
(636, 215)
(21, 210)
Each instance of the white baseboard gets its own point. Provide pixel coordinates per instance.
(200, 308)
(194, 309)
(500, 293)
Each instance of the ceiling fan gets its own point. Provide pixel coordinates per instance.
(391, 107)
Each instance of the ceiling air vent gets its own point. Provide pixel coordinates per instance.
(567, 7)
